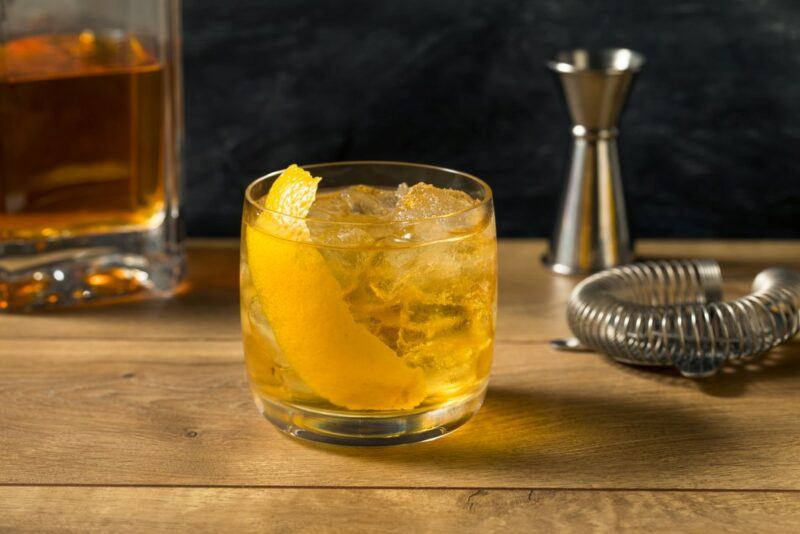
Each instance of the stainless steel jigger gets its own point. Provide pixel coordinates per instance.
(592, 228)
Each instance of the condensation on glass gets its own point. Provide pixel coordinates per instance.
(90, 143)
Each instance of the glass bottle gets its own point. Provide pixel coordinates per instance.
(90, 151)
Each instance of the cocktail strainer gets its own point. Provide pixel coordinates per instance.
(672, 313)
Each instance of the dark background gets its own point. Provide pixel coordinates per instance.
(709, 140)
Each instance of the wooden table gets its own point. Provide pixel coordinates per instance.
(138, 418)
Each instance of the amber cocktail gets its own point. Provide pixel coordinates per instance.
(368, 294)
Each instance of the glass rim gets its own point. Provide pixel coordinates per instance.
(486, 200)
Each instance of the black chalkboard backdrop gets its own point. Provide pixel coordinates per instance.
(710, 140)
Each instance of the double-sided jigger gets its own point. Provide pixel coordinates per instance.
(592, 228)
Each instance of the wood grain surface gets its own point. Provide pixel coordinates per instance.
(104, 509)
(138, 417)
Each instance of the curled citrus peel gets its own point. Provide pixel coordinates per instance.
(333, 354)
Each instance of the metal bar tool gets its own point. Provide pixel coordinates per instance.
(592, 228)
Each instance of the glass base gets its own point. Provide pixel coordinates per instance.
(362, 429)
(37, 275)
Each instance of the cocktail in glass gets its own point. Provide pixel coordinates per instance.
(368, 299)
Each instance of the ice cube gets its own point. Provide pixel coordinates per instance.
(273, 358)
(261, 329)
(423, 201)
(366, 200)
(355, 203)
(336, 235)
(401, 191)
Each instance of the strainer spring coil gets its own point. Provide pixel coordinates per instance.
(671, 313)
